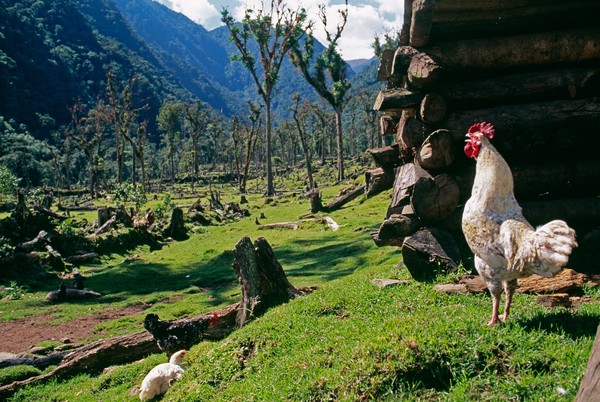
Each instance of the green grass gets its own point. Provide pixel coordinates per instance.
(349, 340)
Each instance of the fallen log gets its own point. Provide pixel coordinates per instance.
(106, 226)
(36, 243)
(399, 226)
(346, 198)
(47, 212)
(82, 258)
(68, 294)
(280, 225)
(41, 363)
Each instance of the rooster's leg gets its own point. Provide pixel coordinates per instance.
(509, 289)
(495, 287)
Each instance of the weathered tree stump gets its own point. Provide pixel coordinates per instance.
(176, 228)
(589, 390)
(316, 204)
(104, 214)
(263, 281)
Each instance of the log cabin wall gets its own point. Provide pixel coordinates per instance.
(529, 67)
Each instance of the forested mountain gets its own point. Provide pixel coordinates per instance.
(54, 53)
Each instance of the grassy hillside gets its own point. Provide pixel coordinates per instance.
(348, 340)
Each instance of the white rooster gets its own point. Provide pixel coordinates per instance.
(505, 245)
(161, 377)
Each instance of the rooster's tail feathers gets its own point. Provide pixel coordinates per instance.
(554, 242)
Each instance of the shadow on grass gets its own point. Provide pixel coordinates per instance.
(574, 326)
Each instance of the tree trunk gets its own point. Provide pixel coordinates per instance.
(316, 204)
(176, 228)
(263, 281)
(269, 151)
(340, 142)
(397, 99)
(422, 17)
(589, 391)
(346, 198)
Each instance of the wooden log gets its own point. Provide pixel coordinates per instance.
(398, 226)
(433, 109)
(437, 151)
(69, 294)
(385, 65)
(402, 57)
(47, 212)
(404, 36)
(411, 132)
(518, 51)
(346, 198)
(395, 241)
(536, 130)
(82, 258)
(378, 180)
(589, 390)
(469, 19)
(388, 124)
(428, 252)
(396, 99)
(104, 214)
(424, 70)
(435, 199)
(526, 87)
(36, 243)
(263, 281)
(422, 18)
(388, 156)
(41, 363)
(406, 177)
(106, 226)
(280, 225)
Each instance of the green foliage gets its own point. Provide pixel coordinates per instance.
(164, 207)
(126, 193)
(8, 181)
(6, 247)
(14, 291)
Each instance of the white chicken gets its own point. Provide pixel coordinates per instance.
(161, 377)
(505, 245)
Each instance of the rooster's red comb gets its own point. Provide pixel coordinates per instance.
(484, 128)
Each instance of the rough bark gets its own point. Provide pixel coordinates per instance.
(422, 18)
(589, 390)
(437, 151)
(316, 204)
(402, 58)
(398, 226)
(435, 199)
(346, 198)
(378, 180)
(518, 50)
(428, 252)
(176, 228)
(388, 156)
(406, 177)
(397, 99)
(263, 281)
(424, 70)
(432, 109)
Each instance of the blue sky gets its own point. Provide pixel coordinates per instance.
(366, 18)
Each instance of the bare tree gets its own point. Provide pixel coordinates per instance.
(326, 73)
(199, 117)
(301, 127)
(245, 136)
(276, 30)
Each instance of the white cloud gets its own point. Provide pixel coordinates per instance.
(200, 11)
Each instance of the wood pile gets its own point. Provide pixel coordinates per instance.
(529, 67)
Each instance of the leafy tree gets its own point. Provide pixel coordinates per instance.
(9, 183)
(326, 73)
(276, 31)
(170, 120)
(87, 129)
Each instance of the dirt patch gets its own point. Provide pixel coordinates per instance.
(20, 335)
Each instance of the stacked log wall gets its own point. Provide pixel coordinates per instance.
(529, 67)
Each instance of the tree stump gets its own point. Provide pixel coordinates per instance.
(316, 204)
(176, 228)
(104, 214)
(589, 391)
(263, 281)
